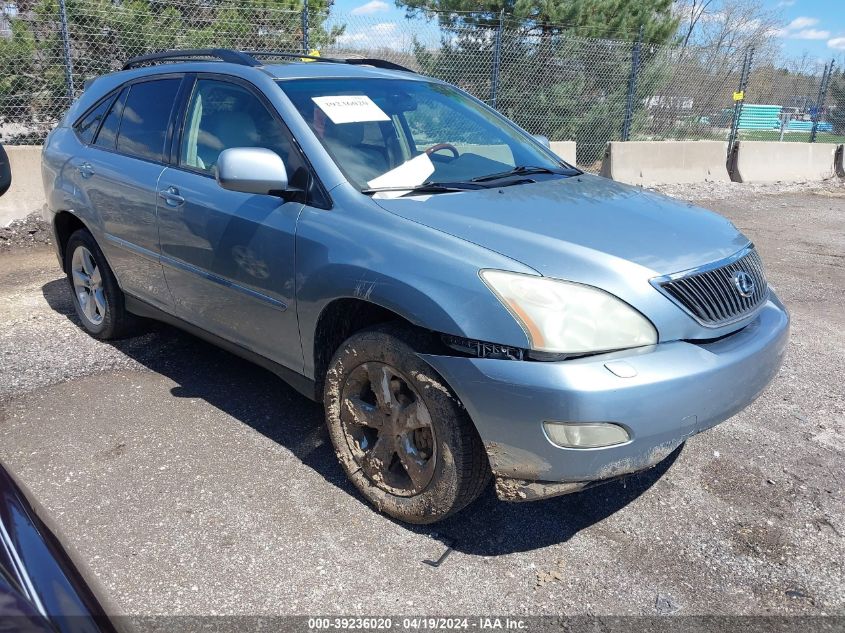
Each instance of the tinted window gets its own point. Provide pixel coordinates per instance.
(145, 118)
(87, 127)
(222, 115)
(108, 131)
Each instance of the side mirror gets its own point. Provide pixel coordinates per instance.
(5, 172)
(543, 140)
(252, 170)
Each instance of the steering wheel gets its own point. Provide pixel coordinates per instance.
(447, 146)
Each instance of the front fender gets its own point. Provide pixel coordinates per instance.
(429, 278)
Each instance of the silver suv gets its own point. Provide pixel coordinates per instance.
(464, 303)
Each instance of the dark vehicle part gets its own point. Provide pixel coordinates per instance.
(40, 587)
(5, 172)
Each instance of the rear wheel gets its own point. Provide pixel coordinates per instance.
(97, 298)
(400, 434)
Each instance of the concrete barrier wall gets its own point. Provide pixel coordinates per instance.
(764, 161)
(564, 149)
(27, 191)
(648, 163)
(642, 163)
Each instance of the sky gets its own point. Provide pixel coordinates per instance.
(378, 8)
(816, 27)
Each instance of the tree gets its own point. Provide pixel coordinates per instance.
(619, 19)
(716, 29)
(105, 33)
(565, 64)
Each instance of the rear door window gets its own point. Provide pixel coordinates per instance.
(146, 116)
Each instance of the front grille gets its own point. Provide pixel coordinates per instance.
(716, 296)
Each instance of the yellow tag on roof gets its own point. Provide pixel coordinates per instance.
(739, 96)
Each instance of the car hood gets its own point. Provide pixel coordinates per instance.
(572, 228)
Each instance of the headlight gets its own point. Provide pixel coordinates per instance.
(569, 318)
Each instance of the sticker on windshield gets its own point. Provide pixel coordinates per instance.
(350, 109)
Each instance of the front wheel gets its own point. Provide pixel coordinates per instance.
(400, 434)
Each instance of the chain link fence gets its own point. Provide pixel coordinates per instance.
(545, 77)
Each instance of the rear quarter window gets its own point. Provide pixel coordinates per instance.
(108, 130)
(87, 128)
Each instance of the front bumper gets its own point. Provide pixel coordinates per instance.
(679, 389)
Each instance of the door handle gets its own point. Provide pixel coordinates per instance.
(86, 170)
(171, 197)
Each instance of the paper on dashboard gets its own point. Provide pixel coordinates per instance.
(409, 174)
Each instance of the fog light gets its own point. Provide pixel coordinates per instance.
(585, 435)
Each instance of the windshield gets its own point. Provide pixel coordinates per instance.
(391, 133)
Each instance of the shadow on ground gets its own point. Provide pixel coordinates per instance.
(262, 401)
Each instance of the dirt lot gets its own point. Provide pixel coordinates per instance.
(194, 483)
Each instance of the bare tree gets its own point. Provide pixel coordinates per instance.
(719, 28)
(690, 13)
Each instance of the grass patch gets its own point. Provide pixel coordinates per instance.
(794, 137)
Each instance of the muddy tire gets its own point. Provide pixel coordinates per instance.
(98, 300)
(399, 432)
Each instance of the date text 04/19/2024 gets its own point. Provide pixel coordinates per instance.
(418, 623)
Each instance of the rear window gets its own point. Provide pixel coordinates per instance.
(145, 118)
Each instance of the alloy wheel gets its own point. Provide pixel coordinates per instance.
(88, 285)
(388, 429)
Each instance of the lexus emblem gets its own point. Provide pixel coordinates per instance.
(744, 283)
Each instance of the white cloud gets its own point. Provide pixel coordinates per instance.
(383, 28)
(811, 34)
(372, 37)
(373, 6)
(801, 23)
(799, 29)
(837, 42)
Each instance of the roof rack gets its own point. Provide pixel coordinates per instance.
(248, 58)
(352, 61)
(191, 54)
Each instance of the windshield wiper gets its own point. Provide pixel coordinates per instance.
(523, 170)
(428, 187)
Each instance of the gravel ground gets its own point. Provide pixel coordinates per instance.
(29, 231)
(704, 191)
(191, 482)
